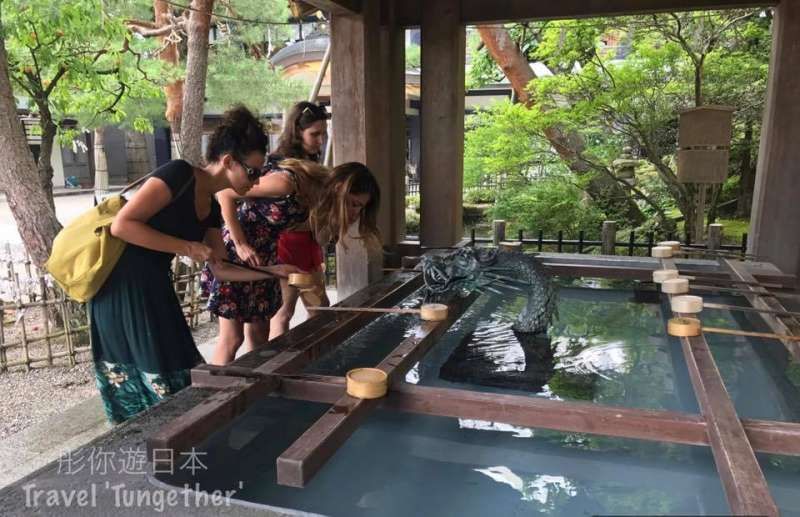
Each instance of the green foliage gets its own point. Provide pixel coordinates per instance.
(234, 76)
(77, 60)
(255, 33)
(412, 222)
(550, 204)
(479, 196)
(623, 82)
(505, 141)
(413, 57)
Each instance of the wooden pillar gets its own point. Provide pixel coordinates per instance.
(442, 128)
(714, 241)
(775, 223)
(609, 237)
(498, 231)
(367, 61)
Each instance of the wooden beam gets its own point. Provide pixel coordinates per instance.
(301, 353)
(197, 424)
(572, 417)
(442, 124)
(758, 301)
(242, 385)
(501, 11)
(337, 7)
(775, 221)
(742, 479)
(360, 133)
(303, 459)
(295, 338)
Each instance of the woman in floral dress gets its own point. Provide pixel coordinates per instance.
(280, 200)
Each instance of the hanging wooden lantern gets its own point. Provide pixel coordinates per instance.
(704, 142)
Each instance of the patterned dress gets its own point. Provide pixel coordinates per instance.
(142, 346)
(262, 220)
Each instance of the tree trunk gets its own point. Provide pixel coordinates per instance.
(195, 86)
(100, 164)
(713, 209)
(173, 91)
(138, 161)
(45, 164)
(30, 204)
(605, 191)
(747, 174)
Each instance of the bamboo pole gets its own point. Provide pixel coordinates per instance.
(25, 351)
(18, 344)
(57, 355)
(731, 281)
(3, 358)
(748, 333)
(46, 320)
(788, 296)
(65, 312)
(388, 310)
(788, 314)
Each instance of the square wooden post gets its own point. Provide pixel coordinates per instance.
(775, 223)
(367, 99)
(442, 117)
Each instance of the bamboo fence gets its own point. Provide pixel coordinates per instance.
(41, 327)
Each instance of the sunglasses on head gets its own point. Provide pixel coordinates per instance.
(317, 113)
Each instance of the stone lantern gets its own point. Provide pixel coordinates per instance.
(625, 166)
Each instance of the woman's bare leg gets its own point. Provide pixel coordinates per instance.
(255, 335)
(231, 336)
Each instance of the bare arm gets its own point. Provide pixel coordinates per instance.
(227, 203)
(276, 184)
(130, 223)
(229, 273)
(273, 185)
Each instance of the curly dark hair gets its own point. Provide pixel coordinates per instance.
(240, 133)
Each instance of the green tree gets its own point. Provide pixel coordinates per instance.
(67, 60)
(71, 59)
(671, 62)
(29, 204)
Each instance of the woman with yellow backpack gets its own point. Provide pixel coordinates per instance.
(142, 346)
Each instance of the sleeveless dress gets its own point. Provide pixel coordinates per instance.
(262, 220)
(142, 346)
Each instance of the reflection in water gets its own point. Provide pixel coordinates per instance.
(604, 348)
(610, 350)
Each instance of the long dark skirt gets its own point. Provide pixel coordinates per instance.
(142, 346)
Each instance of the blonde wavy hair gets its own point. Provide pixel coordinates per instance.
(328, 218)
(311, 179)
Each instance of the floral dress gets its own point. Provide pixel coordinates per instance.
(262, 220)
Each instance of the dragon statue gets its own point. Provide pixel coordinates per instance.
(465, 270)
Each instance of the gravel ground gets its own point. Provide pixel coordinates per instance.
(30, 397)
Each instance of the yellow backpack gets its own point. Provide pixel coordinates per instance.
(84, 252)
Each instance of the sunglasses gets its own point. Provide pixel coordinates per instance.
(253, 173)
(318, 113)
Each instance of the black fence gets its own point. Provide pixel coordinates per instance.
(583, 245)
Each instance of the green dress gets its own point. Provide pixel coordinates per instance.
(142, 346)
